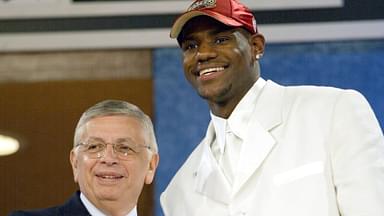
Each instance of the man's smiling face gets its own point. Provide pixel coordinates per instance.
(218, 60)
(111, 178)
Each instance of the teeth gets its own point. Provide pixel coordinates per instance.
(110, 177)
(209, 70)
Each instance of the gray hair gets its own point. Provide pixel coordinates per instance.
(117, 107)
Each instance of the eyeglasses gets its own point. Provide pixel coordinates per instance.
(124, 150)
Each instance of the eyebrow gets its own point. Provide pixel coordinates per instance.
(126, 139)
(118, 140)
(95, 138)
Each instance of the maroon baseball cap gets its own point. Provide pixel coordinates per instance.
(228, 12)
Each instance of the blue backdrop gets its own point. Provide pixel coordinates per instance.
(181, 117)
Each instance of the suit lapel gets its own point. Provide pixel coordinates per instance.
(259, 142)
(210, 180)
(74, 206)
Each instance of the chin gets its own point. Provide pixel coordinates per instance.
(213, 94)
(108, 197)
(108, 194)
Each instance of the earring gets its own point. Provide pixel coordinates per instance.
(258, 56)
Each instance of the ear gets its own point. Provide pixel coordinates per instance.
(152, 168)
(74, 164)
(257, 43)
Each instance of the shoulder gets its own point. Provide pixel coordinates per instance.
(53, 211)
(319, 96)
(189, 166)
(72, 207)
(311, 90)
(320, 103)
(324, 92)
(182, 180)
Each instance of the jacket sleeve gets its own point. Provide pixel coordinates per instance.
(357, 154)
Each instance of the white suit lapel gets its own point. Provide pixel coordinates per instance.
(259, 142)
(210, 180)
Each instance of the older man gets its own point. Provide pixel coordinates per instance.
(114, 155)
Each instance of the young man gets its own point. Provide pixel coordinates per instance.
(114, 155)
(269, 150)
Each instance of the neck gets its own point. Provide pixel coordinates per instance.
(220, 110)
(225, 107)
(115, 209)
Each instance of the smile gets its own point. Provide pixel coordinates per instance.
(210, 70)
(109, 177)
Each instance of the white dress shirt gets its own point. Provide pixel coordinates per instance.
(230, 132)
(95, 211)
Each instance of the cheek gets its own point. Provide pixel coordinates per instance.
(188, 74)
(188, 61)
(240, 53)
(185, 66)
(84, 169)
(241, 59)
(138, 167)
(244, 52)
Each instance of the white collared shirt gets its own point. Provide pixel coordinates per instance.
(220, 125)
(230, 133)
(95, 211)
(239, 118)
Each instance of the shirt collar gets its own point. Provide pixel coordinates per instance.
(239, 118)
(95, 211)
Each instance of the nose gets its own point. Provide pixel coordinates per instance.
(205, 52)
(108, 156)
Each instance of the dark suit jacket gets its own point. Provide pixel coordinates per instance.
(73, 207)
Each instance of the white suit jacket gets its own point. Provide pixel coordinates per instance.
(310, 151)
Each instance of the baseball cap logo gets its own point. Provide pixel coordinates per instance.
(229, 12)
(202, 4)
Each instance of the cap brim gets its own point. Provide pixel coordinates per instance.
(183, 19)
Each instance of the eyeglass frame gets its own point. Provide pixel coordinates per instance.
(121, 155)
